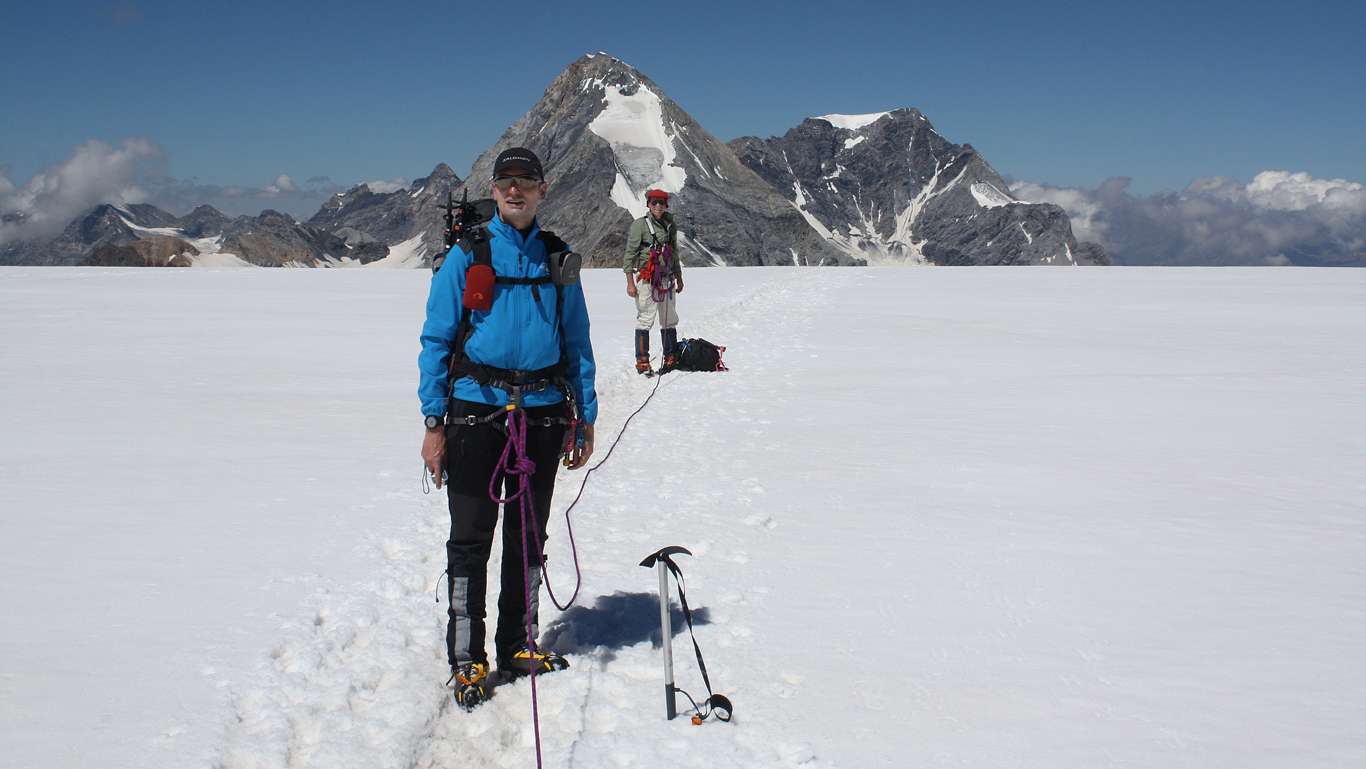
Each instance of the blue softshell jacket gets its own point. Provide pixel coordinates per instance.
(517, 332)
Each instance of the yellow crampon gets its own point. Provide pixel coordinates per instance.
(520, 663)
(473, 687)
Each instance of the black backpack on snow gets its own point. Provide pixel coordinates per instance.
(698, 355)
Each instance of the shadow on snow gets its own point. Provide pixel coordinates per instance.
(615, 622)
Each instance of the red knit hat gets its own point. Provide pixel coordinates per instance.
(657, 195)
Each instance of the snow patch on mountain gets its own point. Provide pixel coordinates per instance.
(800, 204)
(205, 245)
(406, 255)
(853, 122)
(987, 196)
(642, 146)
(1066, 255)
(209, 248)
(689, 242)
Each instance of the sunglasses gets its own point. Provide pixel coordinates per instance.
(659, 203)
(525, 182)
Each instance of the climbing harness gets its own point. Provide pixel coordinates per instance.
(659, 272)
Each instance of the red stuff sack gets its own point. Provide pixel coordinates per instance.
(479, 280)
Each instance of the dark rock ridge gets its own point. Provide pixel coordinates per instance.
(156, 251)
(386, 220)
(276, 240)
(203, 222)
(105, 235)
(105, 224)
(890, 189)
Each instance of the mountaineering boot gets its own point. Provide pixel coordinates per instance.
(519, 664)
(643, 353)
(668, 339)
(472, 684)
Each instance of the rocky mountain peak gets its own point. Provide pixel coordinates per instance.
(606, 134)
(889, 188)
(441, 174)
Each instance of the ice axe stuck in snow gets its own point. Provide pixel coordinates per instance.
(715, 704)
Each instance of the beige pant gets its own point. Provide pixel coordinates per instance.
(647, 309)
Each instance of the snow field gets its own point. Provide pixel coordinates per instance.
(987, 517)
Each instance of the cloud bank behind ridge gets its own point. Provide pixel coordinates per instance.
(1280, 218)
(133, 170)
(94, 173)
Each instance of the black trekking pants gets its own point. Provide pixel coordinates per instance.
(472, 454)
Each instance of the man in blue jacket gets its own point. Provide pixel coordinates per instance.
(533, 337)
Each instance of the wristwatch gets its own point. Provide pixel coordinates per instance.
(433, 421)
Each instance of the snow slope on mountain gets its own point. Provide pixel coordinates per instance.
(992, 517)
(410, 254)
(852, 122)
(987, 196)
(642, 145)
(206, 246)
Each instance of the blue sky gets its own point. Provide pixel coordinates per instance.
(1058, 93)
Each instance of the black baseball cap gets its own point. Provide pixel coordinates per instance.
(518, 157)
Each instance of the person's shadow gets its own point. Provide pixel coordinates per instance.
(615, 622)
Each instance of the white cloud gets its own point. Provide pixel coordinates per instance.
(393, 185)
(1083, 207)
(1279, 218)
(95, 172)
(1279, 190)
(131, 171)
(283, 184)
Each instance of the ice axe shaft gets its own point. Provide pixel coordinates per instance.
(661, 559)
(670, 706)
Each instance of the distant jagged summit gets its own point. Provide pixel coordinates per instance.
(607, 134)
(887, 187)
(409, 218)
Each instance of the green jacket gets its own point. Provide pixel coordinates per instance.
(643, 235)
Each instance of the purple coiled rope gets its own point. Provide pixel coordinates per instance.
(515, 462)
(662, 276)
